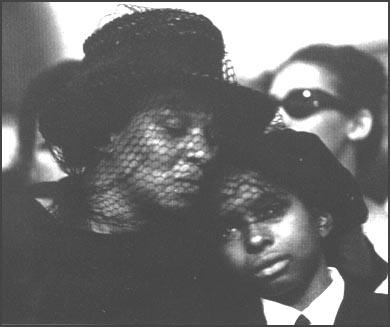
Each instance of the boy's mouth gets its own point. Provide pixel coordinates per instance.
(272, 267)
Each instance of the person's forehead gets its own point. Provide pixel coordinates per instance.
(241, 189)
(301, 75)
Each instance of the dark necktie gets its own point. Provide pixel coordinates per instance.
(302, 321)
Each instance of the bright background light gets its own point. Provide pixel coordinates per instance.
(258, 36)
(9, 145)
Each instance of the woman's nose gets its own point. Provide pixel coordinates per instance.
(199, 148)
(257, 238)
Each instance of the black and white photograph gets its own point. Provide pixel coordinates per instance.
(194, 164)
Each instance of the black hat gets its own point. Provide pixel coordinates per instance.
(301, 163)
(141, 51)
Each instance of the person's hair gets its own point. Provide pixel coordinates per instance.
(36, 98)
(363, 84)
(263, 81)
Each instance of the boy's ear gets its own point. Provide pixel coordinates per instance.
(324, 224)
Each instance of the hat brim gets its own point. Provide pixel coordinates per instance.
(93, 100)
(241, 103)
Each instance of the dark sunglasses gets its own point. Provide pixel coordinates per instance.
(301, 103)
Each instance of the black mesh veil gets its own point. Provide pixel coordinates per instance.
(154, 102)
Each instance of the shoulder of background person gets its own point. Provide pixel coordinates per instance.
(362, 307)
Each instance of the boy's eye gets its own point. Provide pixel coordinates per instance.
(271, 211)
(229, 229)
(230, 233)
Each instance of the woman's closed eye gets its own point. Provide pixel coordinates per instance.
(176, 126)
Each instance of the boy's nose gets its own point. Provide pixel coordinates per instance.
(257, 238)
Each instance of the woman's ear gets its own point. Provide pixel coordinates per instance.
(360, 125)
(324, 224)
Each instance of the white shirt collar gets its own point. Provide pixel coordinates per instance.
(322, 311)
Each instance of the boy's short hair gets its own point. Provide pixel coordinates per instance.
(303, 165)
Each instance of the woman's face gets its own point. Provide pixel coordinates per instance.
(163, 151)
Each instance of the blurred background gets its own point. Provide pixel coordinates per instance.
(258, 37)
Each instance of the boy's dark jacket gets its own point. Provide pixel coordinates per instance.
(358, 308)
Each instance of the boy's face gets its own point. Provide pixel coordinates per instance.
(268, 237)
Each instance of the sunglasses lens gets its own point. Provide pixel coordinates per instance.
(299, 109)
(301, 103)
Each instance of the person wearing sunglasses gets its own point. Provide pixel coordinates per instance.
(336, 92)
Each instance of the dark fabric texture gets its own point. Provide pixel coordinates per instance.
(362, 308)
(54, 274)
(358, 308)
(355, 258)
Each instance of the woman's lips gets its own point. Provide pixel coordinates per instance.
(271, 269)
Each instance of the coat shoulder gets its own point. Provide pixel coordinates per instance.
(361, 307)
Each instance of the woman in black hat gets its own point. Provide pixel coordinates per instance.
(135, 130)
